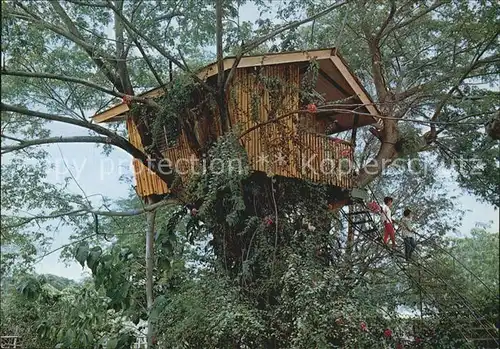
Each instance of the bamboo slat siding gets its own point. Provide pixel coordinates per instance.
(147, 182)
(278, 148)
(269, 147)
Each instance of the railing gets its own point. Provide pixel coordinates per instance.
(10, 342)
(278, 149)
(326, 160)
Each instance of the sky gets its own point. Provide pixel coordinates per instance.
(100, 175)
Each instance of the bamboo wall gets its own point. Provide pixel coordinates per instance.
(270, 148)
(147, 183)
(283, 148)
(277, 148)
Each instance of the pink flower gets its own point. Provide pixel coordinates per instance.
(345, 152)
(387, 333)
(312, 108)
(373, 207)
(364, 327)
(126, 99)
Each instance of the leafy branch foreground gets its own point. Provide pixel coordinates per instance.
(239, 273)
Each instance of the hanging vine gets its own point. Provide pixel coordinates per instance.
(172, 105)
(307, 91)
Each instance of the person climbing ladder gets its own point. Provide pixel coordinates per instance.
(408, 233)
(387, 221)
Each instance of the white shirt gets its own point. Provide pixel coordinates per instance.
(407, 227)
(386, 214)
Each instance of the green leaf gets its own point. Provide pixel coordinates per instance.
(112, 343)
(69, 336)
(90, 336)
(125, 341)
(93, 258)
(82, 252)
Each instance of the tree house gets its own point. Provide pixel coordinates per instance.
(285, 107)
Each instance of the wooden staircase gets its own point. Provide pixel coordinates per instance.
(359, 217)
(361, 220)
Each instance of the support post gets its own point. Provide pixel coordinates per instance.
(420, 297)
(350, 230)
(149, 270)
(354, 131)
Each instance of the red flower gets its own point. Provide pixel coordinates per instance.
(418, 340)
(399, 346)
(374, 207)
(312, 108)
(268, 221)
(126, 99)
(345, 152)
(387, 333)
(364, 327)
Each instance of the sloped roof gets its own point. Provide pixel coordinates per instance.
(333, 66)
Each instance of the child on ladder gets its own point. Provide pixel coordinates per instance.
(408, 233)
(387, 221)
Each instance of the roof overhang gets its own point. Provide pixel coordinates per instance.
(117, 112)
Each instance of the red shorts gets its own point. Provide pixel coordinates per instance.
(389, 232)
(388, 228)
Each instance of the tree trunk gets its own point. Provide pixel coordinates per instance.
(149, 271)
(386, 155)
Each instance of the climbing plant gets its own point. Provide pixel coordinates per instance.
(308, 84)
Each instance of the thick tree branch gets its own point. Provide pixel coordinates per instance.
(136, 32)
(88, 210)
(84, 3)
(378, 75)
(133, 31)
(392, 11)
(220, 52)
(255, 43)
(416, 17)
(62, 78)
(168, 16)
(121, 64)
(147, 101)
(148, 62)
(11, 138)
(76, 139)
(164, 172)
(221, 96)
(432, 135)
(77, 39)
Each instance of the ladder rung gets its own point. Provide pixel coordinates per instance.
(359, 212)
(361, 222)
